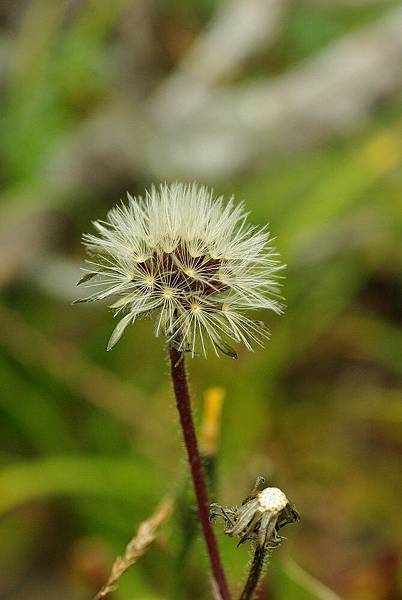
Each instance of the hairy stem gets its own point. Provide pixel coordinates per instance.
(183, 402)
(254, 575)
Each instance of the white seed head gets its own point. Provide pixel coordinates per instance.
(190, 259)
(272, 499)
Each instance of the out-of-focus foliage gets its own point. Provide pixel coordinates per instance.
(89, 439)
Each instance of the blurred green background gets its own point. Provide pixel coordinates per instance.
(294, 107)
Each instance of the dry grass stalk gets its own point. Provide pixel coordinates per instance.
(146, 534)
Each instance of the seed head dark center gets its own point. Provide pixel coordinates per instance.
(198, 276)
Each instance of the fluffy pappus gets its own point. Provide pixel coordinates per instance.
(189, 259)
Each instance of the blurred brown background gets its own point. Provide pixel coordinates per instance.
(293, 106)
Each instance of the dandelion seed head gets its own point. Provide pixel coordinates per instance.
(190, 259)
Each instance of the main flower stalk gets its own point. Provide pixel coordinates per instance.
(183, 402)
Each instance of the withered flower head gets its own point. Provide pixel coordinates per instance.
(260, 517)
(191, 261)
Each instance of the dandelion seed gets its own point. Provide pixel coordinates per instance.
(192, 261)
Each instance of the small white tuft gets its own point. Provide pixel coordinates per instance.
(272, 499)
(191, 259)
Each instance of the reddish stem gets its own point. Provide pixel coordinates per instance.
(183, 402)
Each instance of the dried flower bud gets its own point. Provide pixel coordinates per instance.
(259, 518)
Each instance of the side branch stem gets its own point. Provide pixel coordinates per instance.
(183, 402)
(255, 574)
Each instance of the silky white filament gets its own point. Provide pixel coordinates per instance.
(192, 261)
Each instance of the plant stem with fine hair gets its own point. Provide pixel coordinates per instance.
(183, 402)
(254, 575)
